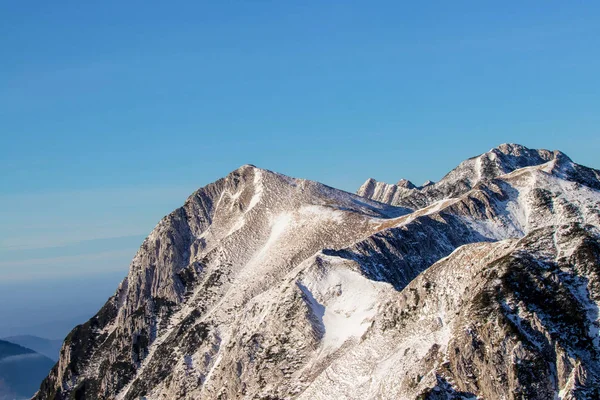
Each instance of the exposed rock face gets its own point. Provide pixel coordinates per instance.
(427, 183)
(405, 183)
(264, 286)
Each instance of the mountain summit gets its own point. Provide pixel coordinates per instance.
(496, 162)
(485, 284)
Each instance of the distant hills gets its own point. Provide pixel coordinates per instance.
(47, 347)
(21, 371)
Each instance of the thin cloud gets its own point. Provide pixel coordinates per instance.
(82, 247)
(54, 219)
(66, 266)
(21, 357)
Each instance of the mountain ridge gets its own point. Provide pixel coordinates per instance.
(260, 285)
(496, 162)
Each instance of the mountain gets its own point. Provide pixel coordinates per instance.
(497, 162)
(21, 371)
(484, 284)
(49, 348)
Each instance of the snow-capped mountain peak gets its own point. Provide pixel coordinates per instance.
(484, 284)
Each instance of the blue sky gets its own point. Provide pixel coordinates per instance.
(111, 113)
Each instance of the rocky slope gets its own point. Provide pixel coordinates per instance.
(484, 284)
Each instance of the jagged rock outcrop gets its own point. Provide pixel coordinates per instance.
(496, 162)
(265, 286)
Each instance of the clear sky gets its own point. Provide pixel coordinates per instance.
(112, 112)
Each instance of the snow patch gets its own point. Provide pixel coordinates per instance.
(258, 189)
(345, 303)
(239, 224)
(321, 212)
